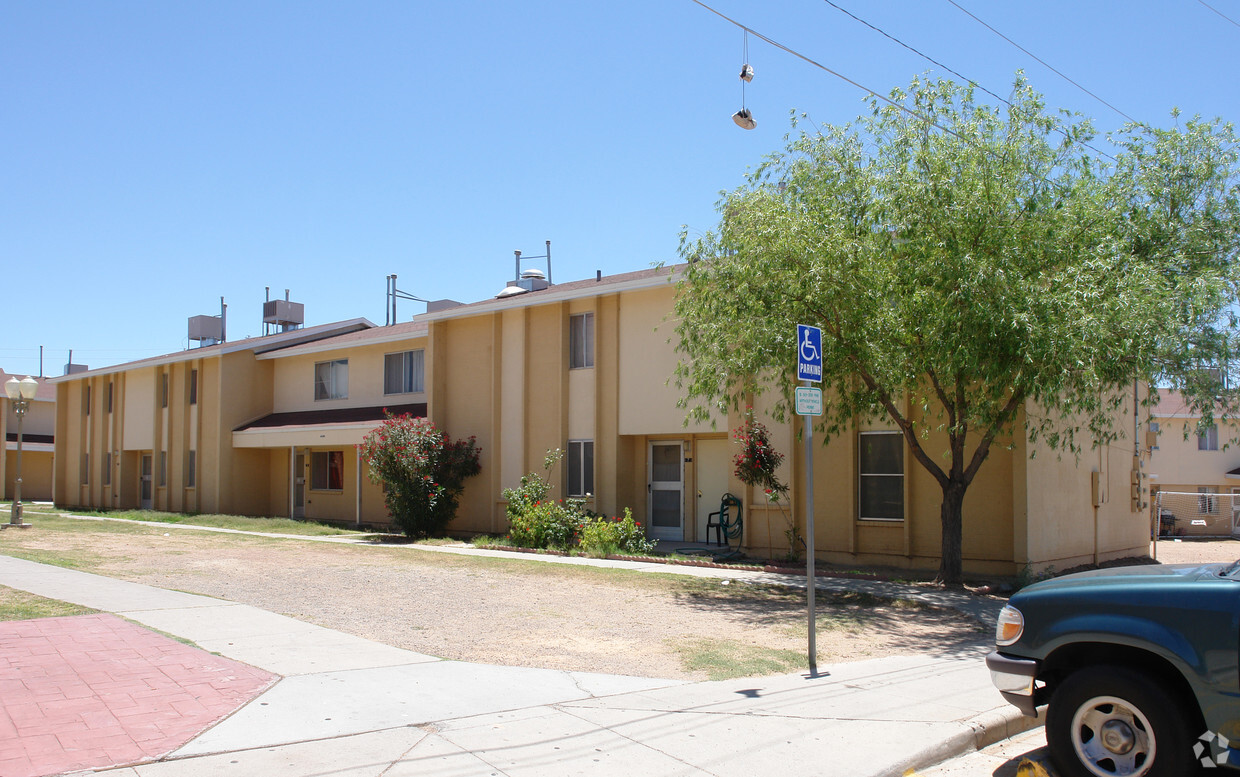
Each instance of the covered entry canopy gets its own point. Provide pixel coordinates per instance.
(338, 426)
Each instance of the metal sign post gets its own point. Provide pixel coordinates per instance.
(809, 404)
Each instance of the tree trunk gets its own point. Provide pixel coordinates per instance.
(951, 516)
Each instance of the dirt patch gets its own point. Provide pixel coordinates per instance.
(514, 612)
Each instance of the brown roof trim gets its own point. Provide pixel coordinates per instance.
(340, 415)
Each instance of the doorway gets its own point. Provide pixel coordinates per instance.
(712, 469)
(299, 486)
(145, 485)
(666, 486)
(1235, 511)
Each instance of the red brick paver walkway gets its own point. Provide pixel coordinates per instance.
(95, 690)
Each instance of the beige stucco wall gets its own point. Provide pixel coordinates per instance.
(138, 403)
(648, 396)
(294, 377)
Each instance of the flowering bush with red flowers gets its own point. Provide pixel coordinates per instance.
(423, 469)
(757, 461)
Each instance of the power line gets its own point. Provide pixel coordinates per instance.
(961, 76)
(1220, 13)
(840, 76)
(1044, 62)
(864, 88)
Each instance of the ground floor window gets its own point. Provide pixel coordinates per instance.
(85, 469)
(191, 469)
(163, 468)
(580, 467)
(1207, 504)
(327, 471)
(880, 492)
(106, 471)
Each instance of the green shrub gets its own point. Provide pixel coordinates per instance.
(602, 536)
(547, 524)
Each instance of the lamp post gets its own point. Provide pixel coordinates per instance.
(20, 393)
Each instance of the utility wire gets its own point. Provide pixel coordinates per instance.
(840, 76)
(1220, 13)
(864, 88)
(961, 76)
(1044, 62)
(926, 57)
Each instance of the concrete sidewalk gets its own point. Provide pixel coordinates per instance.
(349, 706)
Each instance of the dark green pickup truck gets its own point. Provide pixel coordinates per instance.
(1140, 667)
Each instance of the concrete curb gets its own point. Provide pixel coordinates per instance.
(979, 732)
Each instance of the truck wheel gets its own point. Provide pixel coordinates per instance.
(1108, 721)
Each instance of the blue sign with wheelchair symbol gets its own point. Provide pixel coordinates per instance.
(809, 353)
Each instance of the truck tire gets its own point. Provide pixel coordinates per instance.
(1109, 721)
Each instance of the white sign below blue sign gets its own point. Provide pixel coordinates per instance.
(809, 353)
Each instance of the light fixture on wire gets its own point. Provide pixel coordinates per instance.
(743, 118)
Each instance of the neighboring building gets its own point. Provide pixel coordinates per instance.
(157, 433)
(582, 366)
(1194, 473)
(38, 430)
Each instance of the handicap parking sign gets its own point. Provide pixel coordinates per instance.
(809, 353)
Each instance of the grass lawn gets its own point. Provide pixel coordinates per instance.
(215, 521)
(21, 606)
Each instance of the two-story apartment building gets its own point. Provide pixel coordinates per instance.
(269, 426)
(1194, 473)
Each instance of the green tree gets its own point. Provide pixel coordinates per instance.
(970, 278)
(423, 471)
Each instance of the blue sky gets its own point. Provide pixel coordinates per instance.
(156, 156)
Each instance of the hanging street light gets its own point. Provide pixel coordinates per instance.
(20, 393)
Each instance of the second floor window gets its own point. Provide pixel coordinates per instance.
(1207, 439)
(581, 341)
(331, 379)
(193, 387)
(403, 373)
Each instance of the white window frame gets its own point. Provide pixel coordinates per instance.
(331, 380)
(579, 452)
(1209, 440)
(897, 477)
(411, 372)
(581, 341)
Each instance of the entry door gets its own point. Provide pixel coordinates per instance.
(712, 468)
(145, 487)
(1235, 511)
(667, 491)
(299, 486)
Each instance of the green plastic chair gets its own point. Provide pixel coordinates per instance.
(728, 521)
